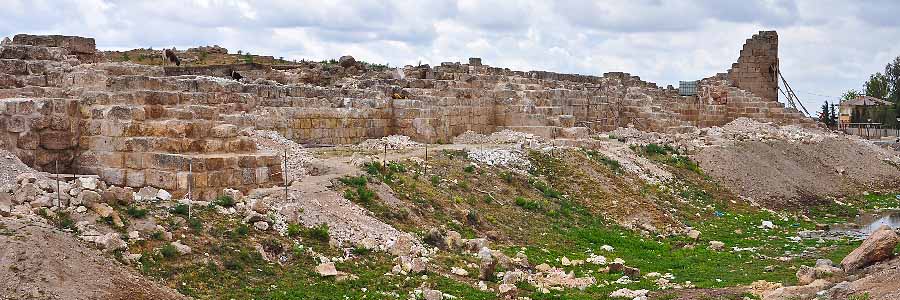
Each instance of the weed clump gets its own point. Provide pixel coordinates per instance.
(225, 201)
(528, 203)
(168, 251)
(319, 232)
(180, 209)
(136, 212)
(545, 189)
(293, 230)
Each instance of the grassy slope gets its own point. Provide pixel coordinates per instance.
(569, 209)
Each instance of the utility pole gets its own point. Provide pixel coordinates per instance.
(285, 175)
(58, 196)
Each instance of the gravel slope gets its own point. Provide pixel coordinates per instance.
(38, 261)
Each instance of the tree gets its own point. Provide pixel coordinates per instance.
(827, 115)
(892, 74)
(877, 86)
(832, 115)
(850, 95)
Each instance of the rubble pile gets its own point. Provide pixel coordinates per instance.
(507, 158)
(297, 158)
(11, 167)
(393, 142)
(505, 136)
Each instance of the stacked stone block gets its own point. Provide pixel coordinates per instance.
(180, 128)
(755, 70)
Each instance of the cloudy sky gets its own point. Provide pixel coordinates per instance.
(826, 47)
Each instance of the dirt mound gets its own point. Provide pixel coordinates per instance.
(779, 172)
(41, 262)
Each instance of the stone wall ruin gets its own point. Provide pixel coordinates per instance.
(137, 125)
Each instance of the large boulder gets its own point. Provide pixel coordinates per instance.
(347, 61)
(878, 247)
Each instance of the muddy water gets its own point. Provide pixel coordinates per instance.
(866, 223)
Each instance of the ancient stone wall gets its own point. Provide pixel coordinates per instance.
(137, 125)
(755, 69)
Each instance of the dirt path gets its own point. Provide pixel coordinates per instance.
(40, 262)
(315, 201)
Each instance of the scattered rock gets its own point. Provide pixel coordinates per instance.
(432, 294)
(88, 183)
(261, 225)
(543, 267)
(693, 234)
(326, 269)
(459, 271)
(507, 291)
(181, 248)
(716, 246)
(163, 195)
(877, 247)
(110, 242)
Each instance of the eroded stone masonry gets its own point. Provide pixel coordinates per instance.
(62, 102)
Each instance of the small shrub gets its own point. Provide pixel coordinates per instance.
(373, 168)
(63, 220)
(463, 185)
(156, 235)
(435, 180)
(657, 149)
(136, 212)
(355, 181)
(472, 217)
(225, 201)
(168, 251)
(195, 224)
(469, 169)
(242, 229)
(293, 230)
(397, 167)
(180, 209)
(527, 203)
(863, 296)
(364, 195)
(545, 189)
(320, 232)
(507, 176)
(361, 251)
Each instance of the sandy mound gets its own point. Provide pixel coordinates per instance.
(40, 262)
(780, 172)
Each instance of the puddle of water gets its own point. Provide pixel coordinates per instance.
(866, 223)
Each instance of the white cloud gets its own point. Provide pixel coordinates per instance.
(826, 46)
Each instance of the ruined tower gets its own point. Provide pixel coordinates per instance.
(755, 69)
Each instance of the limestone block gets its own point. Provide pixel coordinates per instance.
(224, 131)
(18, 123)
(161, 179)
(57, 140)
(134, 178)
(114, 176)
(28, 140)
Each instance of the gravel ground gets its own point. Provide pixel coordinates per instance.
(11, 166)
(41, 262)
